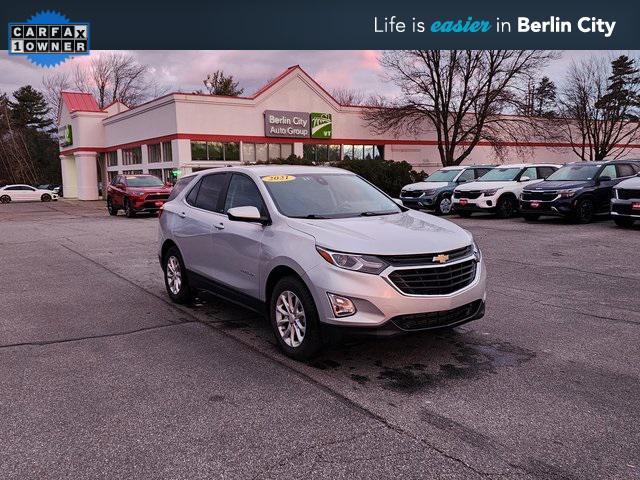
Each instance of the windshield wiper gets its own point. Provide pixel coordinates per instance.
(374, 214)
(312, 216)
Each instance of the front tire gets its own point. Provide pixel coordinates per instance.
(443, 207)
(506, 207)
(175, 277)
(45, 197)
(623, 222)
(584, 211)
(128, 209)
(294, 319)
(113, 211)
(5, 199)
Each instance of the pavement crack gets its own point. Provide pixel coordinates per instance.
(90, 337)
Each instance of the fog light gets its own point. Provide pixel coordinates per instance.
(342, 306)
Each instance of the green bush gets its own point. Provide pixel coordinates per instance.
(387, 175)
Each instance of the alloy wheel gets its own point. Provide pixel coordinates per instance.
(445, 205)
(5, 199)
(290, 319)
(174, 275)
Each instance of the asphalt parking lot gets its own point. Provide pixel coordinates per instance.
(102, 377)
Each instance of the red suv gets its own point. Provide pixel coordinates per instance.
(136, 193)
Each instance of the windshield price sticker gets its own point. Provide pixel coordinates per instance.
(278, 178)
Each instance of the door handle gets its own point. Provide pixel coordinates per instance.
(182, 214)
(219, 226)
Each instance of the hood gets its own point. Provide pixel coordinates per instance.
(629, 183)
(164, 189)
(485, 185)
(404, 233)
(559, 185)
(424, 186)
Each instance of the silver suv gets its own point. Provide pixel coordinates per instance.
(317, 246)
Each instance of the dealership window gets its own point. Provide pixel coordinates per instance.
(334, 153)
(215, 151)
(111, 176)
(261, 152)
(169, 176)
(155, 153)
(363, 152)
(156, 172)
(131, 172)
(321, 153)
(167, 155)
(132, 156)
(112, 158)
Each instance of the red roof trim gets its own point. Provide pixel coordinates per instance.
(80, 102)
(334, 141)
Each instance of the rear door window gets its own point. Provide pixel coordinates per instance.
(625, 170)
(481, 171)
(211, 191)
(544, 172)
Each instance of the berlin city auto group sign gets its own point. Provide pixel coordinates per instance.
(279, 123)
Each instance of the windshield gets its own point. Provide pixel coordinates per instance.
(327, 195)
(575, 172)
(143, 181)
(500, 175)
(442, 176)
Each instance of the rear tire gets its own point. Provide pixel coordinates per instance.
(128, 209)
(584, 211)
(5, 199)
(175, 277)
(113, 211)
(506, 207)
(623, 222)
(45, 197)
(294, 319)
(530, 217)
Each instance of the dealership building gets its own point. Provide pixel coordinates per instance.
(179, 133)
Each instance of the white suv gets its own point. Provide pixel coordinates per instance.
(499, 189)
(317, 246)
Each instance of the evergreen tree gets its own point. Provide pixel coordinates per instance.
(545, 98)
(30, 109)
(622, 89)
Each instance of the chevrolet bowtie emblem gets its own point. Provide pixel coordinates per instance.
(442, 258)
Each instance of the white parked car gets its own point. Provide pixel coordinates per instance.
(25, 193)
(499, 190)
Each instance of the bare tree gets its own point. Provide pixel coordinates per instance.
(53, 85)
(600, 107)
(348, 96)
(462, 95)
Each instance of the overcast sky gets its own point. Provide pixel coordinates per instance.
(185, 70)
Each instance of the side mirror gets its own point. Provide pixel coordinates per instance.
(525, 178)
(245, 214)
(605, 178)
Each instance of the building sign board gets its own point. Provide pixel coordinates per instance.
(278, 123)
(65, 135)
(320, 125)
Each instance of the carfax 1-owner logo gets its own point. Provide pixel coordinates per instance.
(48, 38)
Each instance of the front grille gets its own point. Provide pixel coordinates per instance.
(421, 321)
(425, 258)
(541, 196)
(623, 209)
(157, 196)
(434, 280)
(470, 194)
(411, 193)
(624, 194)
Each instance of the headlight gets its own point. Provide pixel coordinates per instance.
(476, 252)
(568, 193)
(614, 193)
(138, 193)
(490, 193)
(351, 261)
(428, 193)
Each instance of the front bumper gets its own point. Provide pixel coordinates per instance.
(624, 208)
(562, 207)
(427, 202)
(380, 304)
(147, 205)
(480, 204)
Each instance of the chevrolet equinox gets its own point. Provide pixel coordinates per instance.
(316, 246)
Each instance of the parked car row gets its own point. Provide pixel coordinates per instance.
(578, 191)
